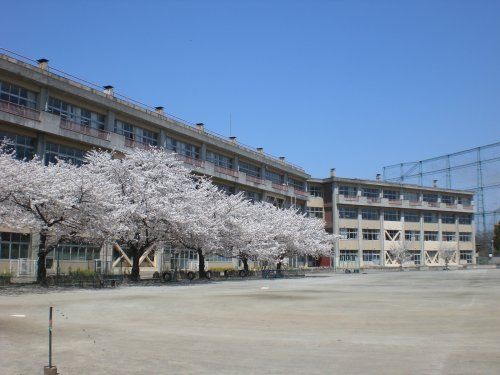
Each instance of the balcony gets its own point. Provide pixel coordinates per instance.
(189, 160)
(414, 203)
(226, 171)
(19, 110)
(255, 180)
(136, 144)
(84, 129)
(468, 207)
(433, 204)
(373, 200)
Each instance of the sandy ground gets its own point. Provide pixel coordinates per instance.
(380, 323)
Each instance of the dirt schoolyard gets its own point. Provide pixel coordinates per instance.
(445, 322)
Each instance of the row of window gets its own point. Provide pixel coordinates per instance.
(410, 235)
(76, 114)
(374, 256)
(17, 95)
(395, 215)
(374, 193)
(76, 252)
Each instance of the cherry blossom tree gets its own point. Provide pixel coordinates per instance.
(400, 252)
(155, 191)
(60, 201)
(447, 251)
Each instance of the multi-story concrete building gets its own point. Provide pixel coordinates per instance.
(51, 114)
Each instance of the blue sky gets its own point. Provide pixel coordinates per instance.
(355, 84)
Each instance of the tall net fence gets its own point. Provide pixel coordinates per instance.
(476, 169)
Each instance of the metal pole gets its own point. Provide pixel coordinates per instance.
(50, 337)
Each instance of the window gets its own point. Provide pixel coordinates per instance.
(371, 256)
(370, 193)
(316, 191)
(218, 258)
(465, 236)
(14, 245)
(369, 214)
(392, 215)
(136, 133)
(415, 257)
(24, 146)
(411, 196)
(348, 255)
(448, 219)
(430, 236)
(315, 212)
(348, 233)
(249, 169)
(348, 213)
(229, 190)
(392, 195)
(465, 201)
(449, 236)
(412, 217)
(253, 196)
(149, 137)
(371, 234)
(392, 235)
(127, 130)
(220, 160)
(430, 217)
(54, 151)
(277, 202)
(275, 177)
(448, 199)
(466, 255)
(465, 219)
(17, 95)
(297, 184)
(182, 148)
(76, 114)
(412, 235)
(430, 198)
(348, 191)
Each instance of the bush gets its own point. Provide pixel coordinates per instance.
(82, 273)
(229, 267)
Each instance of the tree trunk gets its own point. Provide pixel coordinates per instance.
(245, 264)
(41, 276)
(134, 275)
(278, 265)
(201, 265)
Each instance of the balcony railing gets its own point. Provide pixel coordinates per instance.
(19, 110)
(352, 198)
(468, 206)
(373, 199)
(433, 204)
(226, 171)
(280, 187)
(451, 205)
(137, 144)
(300, 192)
(84, 129)
(255, 180)
(415, 203)
(396, 202)
(189, 160)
